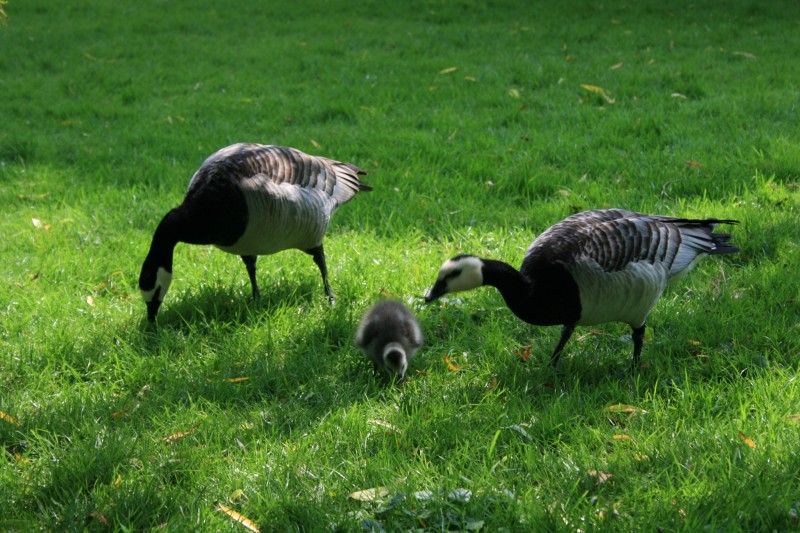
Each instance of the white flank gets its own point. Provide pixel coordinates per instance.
(626, 295)
(281, 217)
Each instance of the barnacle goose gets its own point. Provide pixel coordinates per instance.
(389, 335)
(593, 267)
(251, 200)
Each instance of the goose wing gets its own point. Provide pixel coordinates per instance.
(284, 165)
(613, 239)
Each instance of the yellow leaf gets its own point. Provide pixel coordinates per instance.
(237, 495)
(450, 365)
(622, 408)
(368, 495)
(90, 301)
(747, 440)
(694, 164)
(513, 93)
(40, 225)
(615, 66)
(8, 418)
(180, 434)
(626, 438)
(593, 89)
(448, 70)
(315, 143)
(746, 55)
(383, 424)
(246, 522)
(795, 417)
(602, 477)
(470, 78)
(117, 481)
(235, 380)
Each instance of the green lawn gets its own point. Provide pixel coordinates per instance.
(480, 125)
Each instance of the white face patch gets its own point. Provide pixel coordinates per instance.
(400, 369)
(462, 274)
(163, 279)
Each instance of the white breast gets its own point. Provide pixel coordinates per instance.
(625, 295)
(281, 217)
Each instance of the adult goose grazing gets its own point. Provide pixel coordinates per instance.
(593, 267)
(251, 200)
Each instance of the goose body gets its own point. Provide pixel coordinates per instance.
(389, 335)
(251, 200)
(593, 267)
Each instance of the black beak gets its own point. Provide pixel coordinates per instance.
(437, 291)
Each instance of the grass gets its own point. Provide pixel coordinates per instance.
(477, 133)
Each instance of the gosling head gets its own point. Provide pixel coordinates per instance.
(154, 282)
(389, 336)
(461, 273)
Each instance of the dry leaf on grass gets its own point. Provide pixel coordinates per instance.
(239, 517)
(368, 495)
(180, 434)
(747, 440)
(8, 418)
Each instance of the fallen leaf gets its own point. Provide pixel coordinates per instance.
(747, 440)
(492, 384)
(794, 417)
(18, 458)
(470, 78)
(116, 414)
(368, 495)
(237, 495)
(448, 70)
(235, 380)
(523, 353)
(679, 95)
(746, 55)
(8, 418)
(117, 481)
(694, 164)
(599, 90)
(315, 143)
(421, 372)
(180, 434)
(90, 301)
(622, 408)
(450, 365)
(40, 225)
(246, 522)
(626, 438)
(615, 66)
(99, 517)
(383, 424)
(513, 93)
(602, 477)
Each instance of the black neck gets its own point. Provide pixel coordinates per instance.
(548, 297)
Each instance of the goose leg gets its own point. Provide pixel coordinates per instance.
(638, 342)
(250, 264)
(566, 333)
(318, 254)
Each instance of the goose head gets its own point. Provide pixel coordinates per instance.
(154, 282)
(461, 273)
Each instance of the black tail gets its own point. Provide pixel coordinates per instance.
(722, 244)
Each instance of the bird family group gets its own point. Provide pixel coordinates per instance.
(597, 266)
